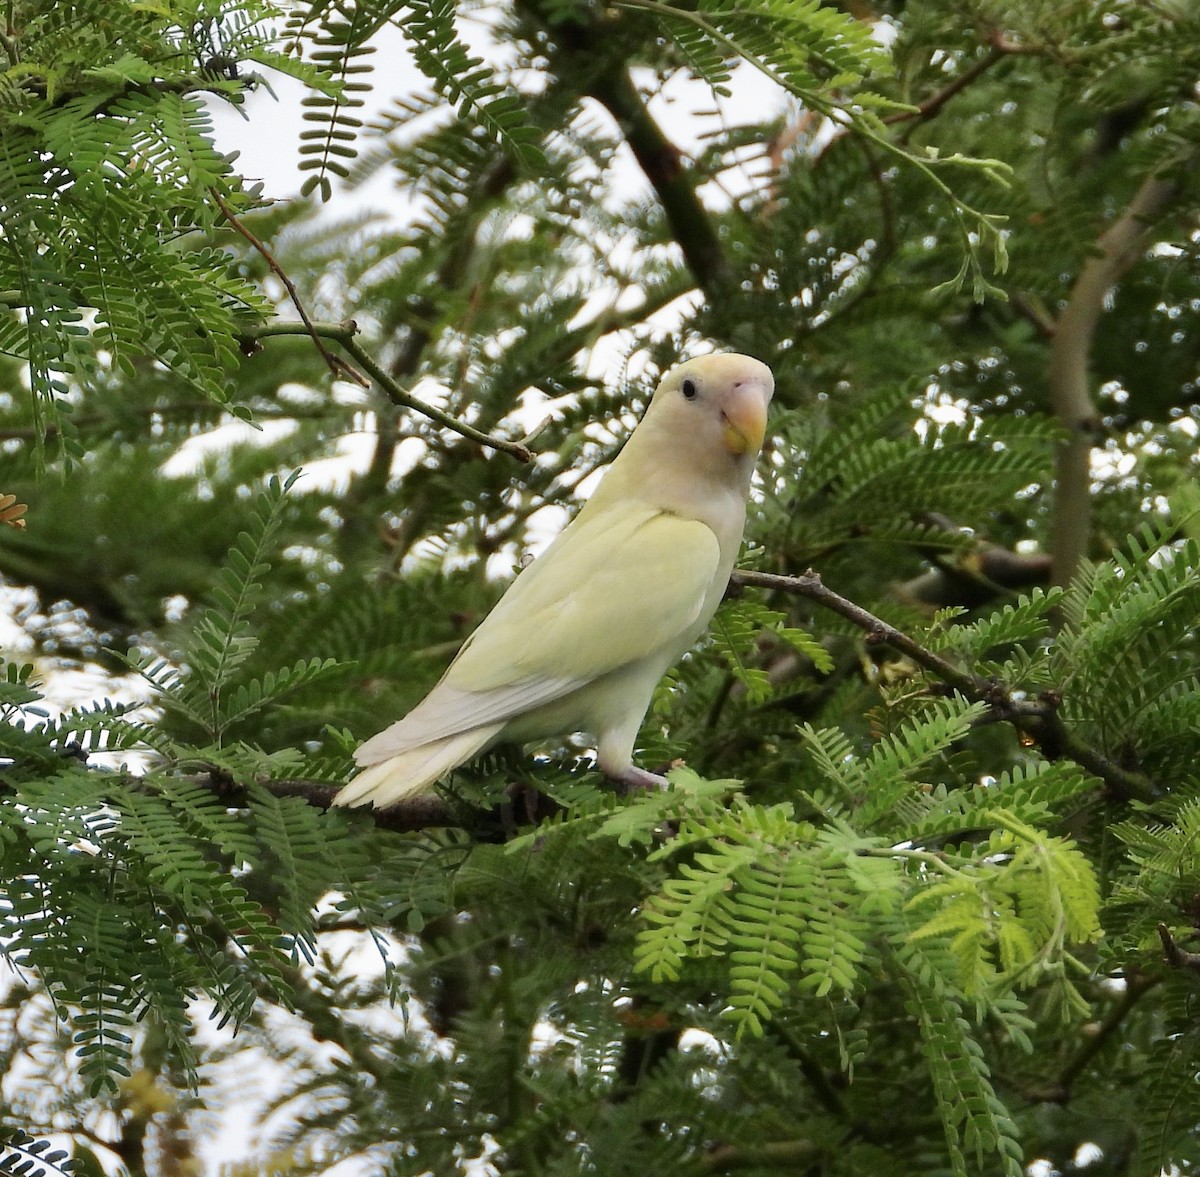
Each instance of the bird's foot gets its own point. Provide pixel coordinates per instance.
(637, 780)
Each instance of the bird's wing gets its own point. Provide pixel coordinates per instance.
(618, 585)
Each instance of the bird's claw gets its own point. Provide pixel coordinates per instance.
(637, 780)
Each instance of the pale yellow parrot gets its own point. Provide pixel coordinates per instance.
(583, 635)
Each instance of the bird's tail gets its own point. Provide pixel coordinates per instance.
(413, 770)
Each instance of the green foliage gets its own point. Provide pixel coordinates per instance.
(1135, 617)
(145, 878)
(213, 694)
(790, 41)
(466, 80)
(887, 919)
(107, 176)
(740, 627)
(340, 34)
(29, 1157)
(975, 1120)
(776, 895)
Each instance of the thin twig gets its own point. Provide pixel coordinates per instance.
(1175, 956)
(985, 226)
(1136, 987)
(338, 368)
(932, 105)
(1010, 48)
(343, 334)
(1043, 321)
(811, 586)
(1037, 718)
(780, 1155)
(399, 396)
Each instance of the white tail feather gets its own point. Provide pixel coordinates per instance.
(414, 770)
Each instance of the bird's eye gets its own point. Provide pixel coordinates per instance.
(689, 389)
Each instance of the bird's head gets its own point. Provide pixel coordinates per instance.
(693, 453)
(719, 401)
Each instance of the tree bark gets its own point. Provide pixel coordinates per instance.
(1118, 248)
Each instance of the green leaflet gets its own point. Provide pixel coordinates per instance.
(107, 166)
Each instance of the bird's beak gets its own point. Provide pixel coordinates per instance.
(745, 417)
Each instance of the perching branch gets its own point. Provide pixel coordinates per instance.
(418, 813)
(1118, 248)
(1037, 718)
(522, 807)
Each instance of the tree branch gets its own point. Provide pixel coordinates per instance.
(1136, 987)
(972, 574)
(1038, 718)
(523, 806)
(428, 811)
(779, 1155)
(398, 396)
(9, 45)
(662, 162)
(1031, 310)
(1175, 956)
(338, 368)
(931, 106)
(344, 334)
(1118, 248)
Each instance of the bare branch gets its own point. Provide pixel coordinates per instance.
(398, 396)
